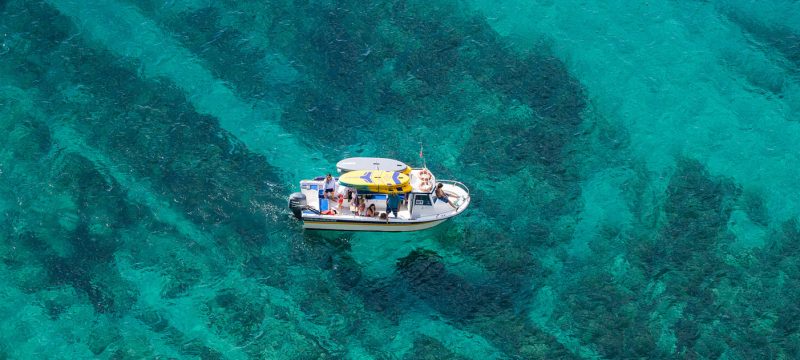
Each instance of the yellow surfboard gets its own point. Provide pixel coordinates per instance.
(377, 181)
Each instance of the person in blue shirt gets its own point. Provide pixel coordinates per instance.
(392, 205)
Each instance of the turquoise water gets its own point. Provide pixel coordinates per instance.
(633, 169)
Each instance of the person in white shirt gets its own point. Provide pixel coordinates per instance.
(330, 187)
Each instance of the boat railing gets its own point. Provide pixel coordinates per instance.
(456, 184)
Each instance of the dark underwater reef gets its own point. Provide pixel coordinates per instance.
(776, 36)
(339, 75)
(150, 124)
(677, 287)
(673, 287)
(417, 60)
(764, 51)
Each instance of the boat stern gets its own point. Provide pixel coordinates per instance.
(298, 203)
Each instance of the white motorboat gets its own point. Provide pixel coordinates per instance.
(371, 181)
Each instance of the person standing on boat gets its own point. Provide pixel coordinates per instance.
(353, 200)
(392, 205)
(330, 187)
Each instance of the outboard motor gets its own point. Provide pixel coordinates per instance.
(297, 203)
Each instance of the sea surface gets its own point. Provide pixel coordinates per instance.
(634, 168)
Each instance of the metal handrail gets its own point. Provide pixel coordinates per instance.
(455, 183)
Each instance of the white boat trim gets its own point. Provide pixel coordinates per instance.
(370, 226)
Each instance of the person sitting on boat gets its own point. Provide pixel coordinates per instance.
(441, 195)
(330, 187)
(361, 206)
(392, 205)
(329, 212)
(371, 211)
(353, 200)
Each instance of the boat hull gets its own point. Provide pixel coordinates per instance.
(370, 225)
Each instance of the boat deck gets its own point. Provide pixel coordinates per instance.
(346, 211)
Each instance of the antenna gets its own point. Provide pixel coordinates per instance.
(424, 165)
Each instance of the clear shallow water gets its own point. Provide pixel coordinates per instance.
(148, 149)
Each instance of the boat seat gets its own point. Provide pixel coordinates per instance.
(323, 205)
